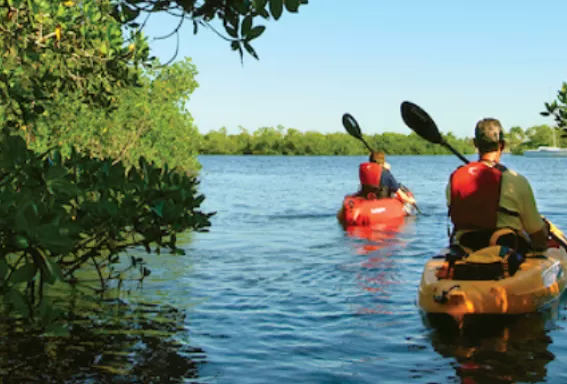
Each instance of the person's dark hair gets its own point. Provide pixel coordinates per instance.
(377, 157)
(488, 135)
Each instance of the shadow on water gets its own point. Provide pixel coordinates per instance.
(109, 341)
(497, 349)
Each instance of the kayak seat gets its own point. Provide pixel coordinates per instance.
(506, 237)
(484, 255)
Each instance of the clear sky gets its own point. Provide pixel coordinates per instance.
(460, 60)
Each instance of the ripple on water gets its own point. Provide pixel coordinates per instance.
(291, 298)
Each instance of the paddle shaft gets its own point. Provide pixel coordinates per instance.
(365, 143)
(450, 148)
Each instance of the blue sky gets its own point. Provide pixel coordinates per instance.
(461, 61)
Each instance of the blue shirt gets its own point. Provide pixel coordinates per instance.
(387, 180)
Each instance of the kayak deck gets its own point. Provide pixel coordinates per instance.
(537, 283)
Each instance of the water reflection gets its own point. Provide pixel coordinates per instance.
(379, 270)
(497, 349)
(377, 236)
(108, 343)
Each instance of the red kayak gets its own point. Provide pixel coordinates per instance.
(359, 211)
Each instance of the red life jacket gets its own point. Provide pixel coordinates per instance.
(475, 196)
(370, 173)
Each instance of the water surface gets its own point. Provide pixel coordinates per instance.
(289, 297)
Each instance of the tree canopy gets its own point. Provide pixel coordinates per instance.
(290, 141)
(97, 148)
(282, 141)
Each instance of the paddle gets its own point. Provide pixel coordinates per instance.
(352, 127)
(422, 124)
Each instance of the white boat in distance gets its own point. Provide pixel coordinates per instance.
(546, 152)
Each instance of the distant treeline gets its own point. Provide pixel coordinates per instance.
(282, 141)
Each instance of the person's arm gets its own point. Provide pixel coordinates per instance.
(404, 197)
(531, 219)
(391, 182)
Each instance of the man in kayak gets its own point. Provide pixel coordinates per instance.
(387, 180)
(376, 182)
(484, 197)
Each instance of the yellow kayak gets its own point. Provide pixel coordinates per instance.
(538, 281)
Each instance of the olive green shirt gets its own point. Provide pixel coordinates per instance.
(516, 195)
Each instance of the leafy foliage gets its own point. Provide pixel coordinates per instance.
(238, 17)
(558, 108)
(67, 73)
(282, 141)
(150, 121)
(540, 135)
(51, 51)
(57, 215)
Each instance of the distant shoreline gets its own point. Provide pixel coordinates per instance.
(328, 155)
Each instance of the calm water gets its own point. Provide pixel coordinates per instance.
(278, 293)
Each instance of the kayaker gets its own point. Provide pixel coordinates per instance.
(388, 184)
(484, 196)
(377, 183)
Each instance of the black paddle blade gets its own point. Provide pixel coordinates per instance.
(420, 122)
(351, 125)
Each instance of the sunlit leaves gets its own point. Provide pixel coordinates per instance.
(61, 49)
(558, 108)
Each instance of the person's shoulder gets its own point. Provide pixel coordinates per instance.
(515, 174)
(516, 177)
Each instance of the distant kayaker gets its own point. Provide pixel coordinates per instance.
(376, 182)
(485, 196)
(388, 185)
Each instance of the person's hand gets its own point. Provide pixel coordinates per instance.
(412, 201)
(387, 166)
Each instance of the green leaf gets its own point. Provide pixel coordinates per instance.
(26, 217)
(129, 13)
(246, 25)
(56, 172)
(292, 5)
(255, 32)
(57, 330)
(251, 50)
(21, 242)
(19, 301)
(24, 274)
(158, 208)
(4, 269)
(51, 269)
(231, 31)
(260, 4)
(276, 8)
